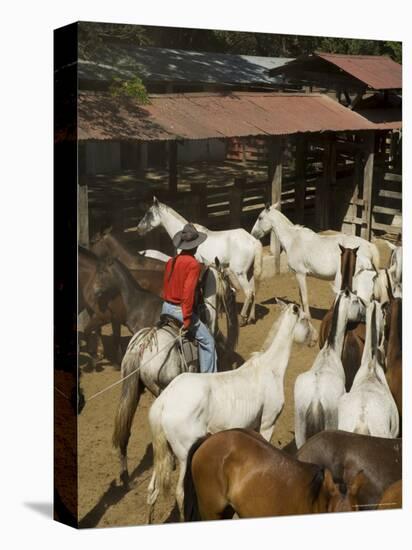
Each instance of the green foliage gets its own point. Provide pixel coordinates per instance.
(133, 87)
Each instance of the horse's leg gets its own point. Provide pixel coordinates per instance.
(244, 283)
(179, 488)
(252, 313)
(267, 431)
(152, 494)
(303, 292)
(116, 331)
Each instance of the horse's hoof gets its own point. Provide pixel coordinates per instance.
(125, 479)
(243, 322)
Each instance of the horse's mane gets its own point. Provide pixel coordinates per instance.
(170, 209)
(271, 334)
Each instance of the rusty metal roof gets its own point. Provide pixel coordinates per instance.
(379, 72)
(194, 116)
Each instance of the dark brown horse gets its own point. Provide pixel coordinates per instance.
(354, 341)
(379, 458)
(237, 471)
(142, 307)
(393, 330)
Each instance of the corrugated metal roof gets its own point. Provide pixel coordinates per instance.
(379, 72)
(203, 116)
(169, 65)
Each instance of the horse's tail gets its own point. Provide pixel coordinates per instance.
(257, 263)
(129, 399)
(314, 419)
(190, 503)
(163, 461)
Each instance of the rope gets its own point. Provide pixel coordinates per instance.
(104, 390)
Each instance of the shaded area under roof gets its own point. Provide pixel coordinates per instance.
(378, 72)
(163, 64)
(382, 109)
(195, 116)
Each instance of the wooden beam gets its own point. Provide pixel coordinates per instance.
(300, 183)
(369, 140)
(236, 202)
(83, 236)
(275, 155)
(173, 167)
(322, 202)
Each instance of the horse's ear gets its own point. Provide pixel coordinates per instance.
(355, 250)
(280, 302)
(107, 230)
(217, 262)
(267, 206)
(329, 484)
(155, 201)
(342, 249)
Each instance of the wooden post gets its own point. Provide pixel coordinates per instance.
(368, 184)
(173, 167)
(275, 154)
(300, 181)
(322, 198)
(236, 203)
(82, 215)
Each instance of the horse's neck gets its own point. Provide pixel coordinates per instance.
(171, 220)
(118, 251)
(126, 284)
(283, 228)
(276, 357)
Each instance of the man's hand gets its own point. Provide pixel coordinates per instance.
(183, 331)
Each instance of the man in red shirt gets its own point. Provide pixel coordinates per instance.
(180, 280)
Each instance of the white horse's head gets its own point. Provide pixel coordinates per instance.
(304, 331)
(263, 224)
(151, 219)
(354, 304)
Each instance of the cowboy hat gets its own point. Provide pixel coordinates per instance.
(188, 238)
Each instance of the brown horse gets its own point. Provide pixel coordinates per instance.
(379, 458)
(237, 471)
(391, 497)
(393, 329)
(354, 341)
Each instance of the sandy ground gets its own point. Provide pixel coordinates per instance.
(102, 499)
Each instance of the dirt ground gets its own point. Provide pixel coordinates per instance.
(102, 499)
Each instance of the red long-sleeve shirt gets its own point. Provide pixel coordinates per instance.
(180, 289)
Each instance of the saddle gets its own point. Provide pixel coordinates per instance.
(187, 346)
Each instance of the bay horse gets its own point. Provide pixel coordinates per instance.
(238, 471)
(235, 249)
(379, 458)
(393, 331)
(155, 360)
(309, 253)
(251, 396)
(317, 391)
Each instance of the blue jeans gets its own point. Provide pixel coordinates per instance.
(200, 332)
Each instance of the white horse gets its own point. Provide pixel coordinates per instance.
(309, 253)
(196, 404)
(152, 360)
(150, 253)
(235, 248)
(369, 408)
(318, 390)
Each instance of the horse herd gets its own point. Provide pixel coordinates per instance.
(216, 428)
